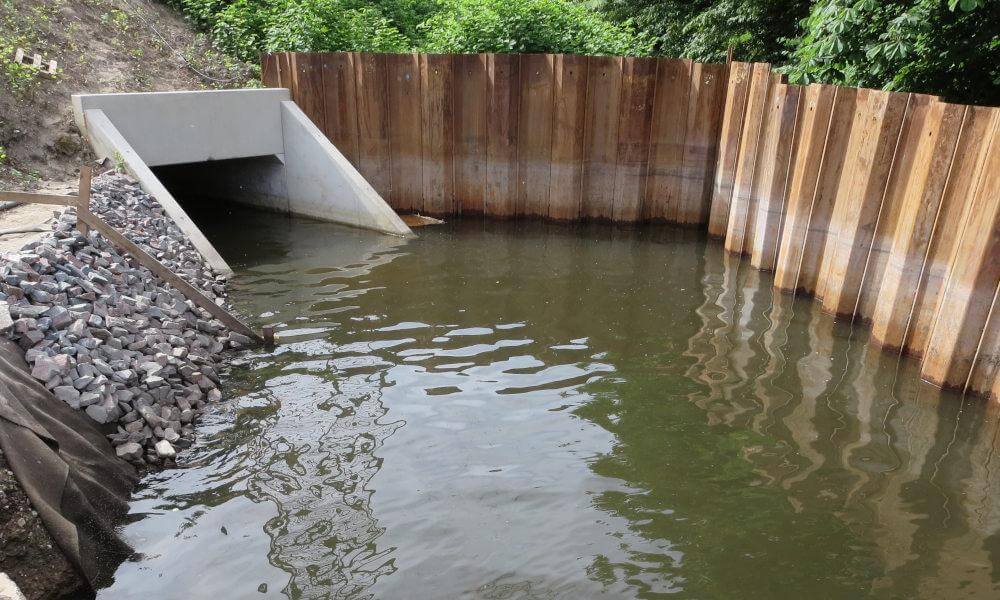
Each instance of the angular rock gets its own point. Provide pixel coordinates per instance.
(6, 320)
(99, 413)
(46, 367)
(164, 449)
(59, 316)
(129, 451)
(67, 394)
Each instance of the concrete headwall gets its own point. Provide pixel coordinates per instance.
(182, 127)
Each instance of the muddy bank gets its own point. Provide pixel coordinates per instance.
(27, 552)
(100, 46)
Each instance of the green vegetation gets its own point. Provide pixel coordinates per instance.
(951, 48)
(245, 28)
(24, 32)
(946, 47)
(556, 26)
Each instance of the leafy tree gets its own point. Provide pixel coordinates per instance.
(934, 46)
(330, 25)
(945, 47)
(559, 26)
(704, 30)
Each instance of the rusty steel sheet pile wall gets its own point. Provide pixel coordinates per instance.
(534, 135)
(885, 206)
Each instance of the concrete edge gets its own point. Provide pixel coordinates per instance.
(278, 91)
(178, 127)
(108, 142)
(370, 210)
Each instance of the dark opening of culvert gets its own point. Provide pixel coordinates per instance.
(202, 187)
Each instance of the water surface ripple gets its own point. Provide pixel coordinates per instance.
(537, 411)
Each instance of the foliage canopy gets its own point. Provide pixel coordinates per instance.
(945, 47)
(556, 26)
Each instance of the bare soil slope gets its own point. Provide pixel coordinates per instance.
(100, 46)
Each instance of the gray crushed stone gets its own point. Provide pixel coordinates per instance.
(107, 336)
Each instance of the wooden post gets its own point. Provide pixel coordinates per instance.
(668, 131)
(777, 155)
(87, 220)
(727, 153)
(804, 179)
(157, 268)
(83, 200)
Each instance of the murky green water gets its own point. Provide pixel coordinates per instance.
(511, 411)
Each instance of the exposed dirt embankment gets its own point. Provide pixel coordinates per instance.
(100, 46)
(27, 552)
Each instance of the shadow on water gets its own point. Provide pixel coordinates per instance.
(538, 411)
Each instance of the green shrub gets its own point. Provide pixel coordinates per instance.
(927, 46)
(239, 29)
(407, 15)
(330, 25)
(558, 26)
(14, 76)
(245, 28)
(203, 13)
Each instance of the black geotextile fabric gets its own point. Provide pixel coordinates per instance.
(67, 468)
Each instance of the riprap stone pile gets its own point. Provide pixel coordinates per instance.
(108, 336)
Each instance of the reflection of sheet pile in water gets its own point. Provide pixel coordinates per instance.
(325, 533)
(898, 434)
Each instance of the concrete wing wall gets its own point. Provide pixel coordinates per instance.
(321, 183)
(109, 142)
